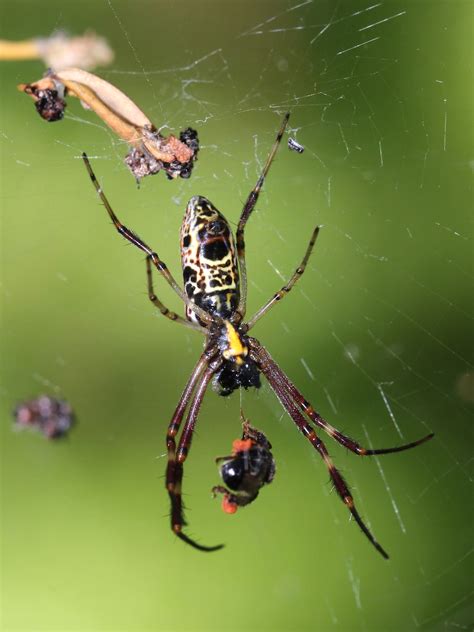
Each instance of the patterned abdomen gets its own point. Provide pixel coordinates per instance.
(210, 272)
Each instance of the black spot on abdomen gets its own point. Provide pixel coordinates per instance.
(186, 240)
(214, 250)
(189, 274)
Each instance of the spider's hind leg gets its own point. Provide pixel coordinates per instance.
(159, 305)
(247, 211)
(282, 292)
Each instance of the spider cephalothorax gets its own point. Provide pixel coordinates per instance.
(215, 296)
(238, 370)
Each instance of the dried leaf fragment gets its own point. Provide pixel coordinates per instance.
(150, 151)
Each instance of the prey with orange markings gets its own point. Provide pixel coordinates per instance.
(250, 466)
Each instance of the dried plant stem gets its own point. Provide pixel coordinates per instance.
(120, 126)
(27, 49)
(150, 151)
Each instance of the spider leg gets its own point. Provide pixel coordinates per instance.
(306, 408)
(175, 423)
(282, 392)
(177, 418)
(287, 287)
(246, 211)
(163, 309)
(137, 241)
(174, 472)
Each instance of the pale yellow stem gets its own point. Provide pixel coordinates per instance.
(28, 49)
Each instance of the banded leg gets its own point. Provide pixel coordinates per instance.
(177, 418)
(175, 423)
(163, 309)
(281, 391)
(246, 211)
(137, 241)
(307, 409)
(288, 286)
(175, 474)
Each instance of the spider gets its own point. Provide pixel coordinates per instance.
(215, 297)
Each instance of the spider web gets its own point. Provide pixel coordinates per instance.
(375, 334)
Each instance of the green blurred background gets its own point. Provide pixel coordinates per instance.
(378, 335)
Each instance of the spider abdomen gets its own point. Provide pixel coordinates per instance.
(208, 258)
(221, 304)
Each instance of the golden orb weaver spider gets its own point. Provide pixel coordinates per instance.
(215, 297)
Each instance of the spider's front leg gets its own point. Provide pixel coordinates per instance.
(341, 438)
(283, 394)
(296, 406)
(199, 382)
(308, 409)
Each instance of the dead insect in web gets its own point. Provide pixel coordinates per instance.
(176, 156)
(52, 417)
(294, 146)
(250, 466)
(150, 151)
(49, 101)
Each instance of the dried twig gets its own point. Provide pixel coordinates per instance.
(150, 151)
(60, 51)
